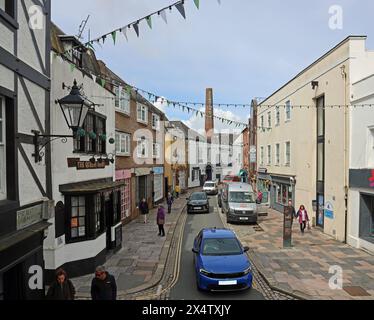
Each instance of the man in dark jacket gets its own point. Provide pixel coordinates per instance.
(103, 286)
(293, 211)
(62, 288)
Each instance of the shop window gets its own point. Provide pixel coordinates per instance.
(367, 217)
(3, 194)
(98, 213)
(122, 101)
(125, 200)
(78, 217)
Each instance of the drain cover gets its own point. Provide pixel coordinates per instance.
(356, 291)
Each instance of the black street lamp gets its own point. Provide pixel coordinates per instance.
(74, 108)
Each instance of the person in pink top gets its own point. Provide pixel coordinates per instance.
(303, 217)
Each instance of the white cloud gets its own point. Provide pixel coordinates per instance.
(197, 123)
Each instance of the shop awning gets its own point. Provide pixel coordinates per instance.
(89, 187)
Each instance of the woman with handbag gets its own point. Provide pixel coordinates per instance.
(303, 217)
(161, 220)
(143, 207)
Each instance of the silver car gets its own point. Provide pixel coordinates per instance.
(210, 188)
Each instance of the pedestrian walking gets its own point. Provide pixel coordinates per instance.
(161, 220)
(169, 201)
(177, 190)
(103, 286)
(293, 211)
(259, 197)
(143, 207)
(62, 288)
(302, 214)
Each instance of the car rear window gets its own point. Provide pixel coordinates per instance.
(209, 185)
(221, 247)
(198, 196)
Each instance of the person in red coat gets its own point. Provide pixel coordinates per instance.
(303, 217)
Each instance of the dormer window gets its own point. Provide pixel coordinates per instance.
(73, 48)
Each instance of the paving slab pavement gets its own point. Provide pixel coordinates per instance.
(139, 264)
(303, 270)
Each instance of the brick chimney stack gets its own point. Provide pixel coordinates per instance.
(209, 120)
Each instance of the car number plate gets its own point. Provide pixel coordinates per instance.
(243, 218)
(228, 283)
(198, 208)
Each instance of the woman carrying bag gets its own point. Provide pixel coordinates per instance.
(303, 217)
(161, 220)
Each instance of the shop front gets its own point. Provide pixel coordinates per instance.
(88, 225)
(125, 177)
(361, 209)
(264, 186)
(21, 253)
(144, 185)
(282, 190)
(158, 183)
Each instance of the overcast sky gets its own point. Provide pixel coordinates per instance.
(241, 48)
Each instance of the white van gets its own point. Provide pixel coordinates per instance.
(239, 203)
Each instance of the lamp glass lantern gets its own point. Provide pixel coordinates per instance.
(74, 108)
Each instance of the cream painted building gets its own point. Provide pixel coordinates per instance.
(305, 151)
(361, 181)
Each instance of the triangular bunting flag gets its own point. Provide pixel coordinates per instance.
(219, 2)
(128, 90)
(197, 113)
(197, 3)
(103, 38)
(72, 67)
(114, 36)
(102, 82)
(149, 21)
(136, 28)
(124, 31)
(93, 77)
(180, 7)
(163, 16)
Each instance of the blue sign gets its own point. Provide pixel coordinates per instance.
(329, 211)
(158, 170)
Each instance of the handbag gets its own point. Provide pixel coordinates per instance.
(161, 221)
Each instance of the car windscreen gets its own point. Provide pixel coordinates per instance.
(198, 196)
(241, 197)
(209, 185)
(221, 247)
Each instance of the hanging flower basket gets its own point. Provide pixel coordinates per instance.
(92, 135)
(103, 137)
(81, 133)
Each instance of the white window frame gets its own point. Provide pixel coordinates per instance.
(269, 155)
(287, 163)
(142, 143)
(156, 116)
(277, 116)
(269, 120)
(277, 154)
(122, 101)
(262, 156)
(156, 155)
(120, 137)
(287, 110)
(3, 191)
(140, 109)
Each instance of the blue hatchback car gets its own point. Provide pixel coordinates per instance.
(221, 262)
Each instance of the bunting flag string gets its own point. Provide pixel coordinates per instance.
(179, 5)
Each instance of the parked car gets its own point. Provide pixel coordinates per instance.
(198, 202)
(210, 188)
(221, 262)
(219, 197)
(239, 203)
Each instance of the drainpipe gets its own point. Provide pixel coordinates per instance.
(346, 152)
